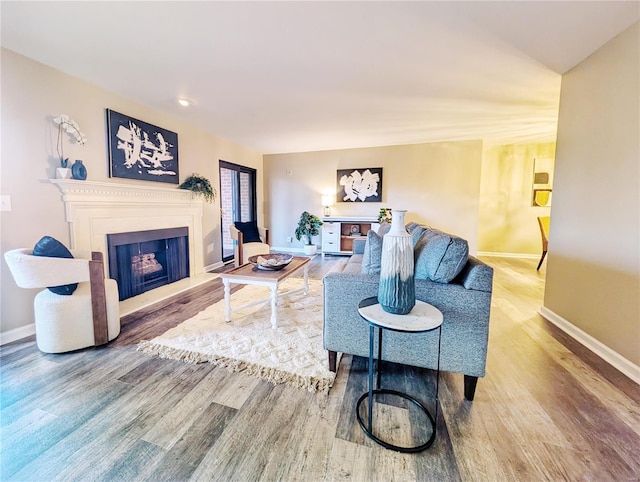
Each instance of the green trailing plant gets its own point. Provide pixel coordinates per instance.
(199, 185)
(309, 226)
(384, 216)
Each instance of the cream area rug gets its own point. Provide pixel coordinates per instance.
(292, 353)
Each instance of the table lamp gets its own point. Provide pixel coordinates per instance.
(327, 202)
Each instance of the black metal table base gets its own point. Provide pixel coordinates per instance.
(368, 427)
(367, 430)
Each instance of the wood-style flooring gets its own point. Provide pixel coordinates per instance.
(548, 409)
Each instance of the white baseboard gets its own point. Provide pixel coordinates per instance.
(17, 333)
(619, 362)
(213, 266)
(161, 293)
(508, 255)
(129, 305)
(288, 249)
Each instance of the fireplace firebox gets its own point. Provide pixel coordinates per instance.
(143, 260)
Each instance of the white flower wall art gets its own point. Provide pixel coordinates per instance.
(139, 150)
(359, 185)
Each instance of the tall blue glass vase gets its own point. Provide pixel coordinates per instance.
(397, 290)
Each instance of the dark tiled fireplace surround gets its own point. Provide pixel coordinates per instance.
(144, 260)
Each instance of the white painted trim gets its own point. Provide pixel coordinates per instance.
(127, 306)
(135, 303)
(603, 351)
(213, 266)
(349, 219)
(288, 249)
(17, 333)
(508, 255)
(96, 209)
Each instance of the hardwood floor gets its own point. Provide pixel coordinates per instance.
(548, 409)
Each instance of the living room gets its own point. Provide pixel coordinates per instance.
(454, 171)
(592, 281)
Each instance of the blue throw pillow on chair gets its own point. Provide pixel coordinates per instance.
(52, 248)
(249, 230)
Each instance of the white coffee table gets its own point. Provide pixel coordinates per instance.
(247, 274)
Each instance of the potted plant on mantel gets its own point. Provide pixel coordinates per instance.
(308, 227)
(199, 185)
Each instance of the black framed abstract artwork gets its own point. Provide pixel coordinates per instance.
(139, 150)
(359, 185)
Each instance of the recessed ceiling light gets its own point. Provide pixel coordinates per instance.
(184, 102)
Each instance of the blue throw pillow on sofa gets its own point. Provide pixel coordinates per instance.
(372, 256)
(52, 248)
(249, 230)
(416, 233)
(439, 256)
(410, 227)
(383, 229)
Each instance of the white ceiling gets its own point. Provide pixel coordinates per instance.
(301, 76)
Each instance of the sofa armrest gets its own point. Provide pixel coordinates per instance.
(476, 275)
(465, 330)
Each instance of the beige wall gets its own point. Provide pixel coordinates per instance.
(437, 183)
(507, 222)
(593, 271)
(31, 94)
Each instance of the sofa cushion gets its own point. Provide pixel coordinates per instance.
(249, 230)
(52, 248)
(439, 256)
(372, 253)
(354, 265)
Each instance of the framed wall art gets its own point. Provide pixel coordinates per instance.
(139, 150)
(359, 185)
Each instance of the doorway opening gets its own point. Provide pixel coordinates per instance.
(238, 201)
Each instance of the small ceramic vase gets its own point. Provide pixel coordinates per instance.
(78, 171)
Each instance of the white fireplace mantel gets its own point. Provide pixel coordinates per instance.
(95, 209)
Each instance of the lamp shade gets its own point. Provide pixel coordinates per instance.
(327, 200)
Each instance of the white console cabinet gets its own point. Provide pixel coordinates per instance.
(338, 233)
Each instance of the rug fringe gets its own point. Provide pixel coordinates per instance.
(272, 375)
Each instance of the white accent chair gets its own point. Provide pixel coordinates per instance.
(88, 317)
(243, 251)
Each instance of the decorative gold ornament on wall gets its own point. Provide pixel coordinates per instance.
(542, 182)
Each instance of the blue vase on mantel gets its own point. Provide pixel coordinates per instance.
(78, 171)
(397, 289)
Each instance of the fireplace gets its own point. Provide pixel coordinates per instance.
(143, 260)
(95, 209)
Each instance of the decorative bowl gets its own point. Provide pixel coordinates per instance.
(270, 262)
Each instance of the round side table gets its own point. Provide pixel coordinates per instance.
(422, 318)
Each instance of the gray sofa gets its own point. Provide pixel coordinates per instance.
(462, 293)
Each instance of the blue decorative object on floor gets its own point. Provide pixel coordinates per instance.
(78, 171)
(397, 291)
